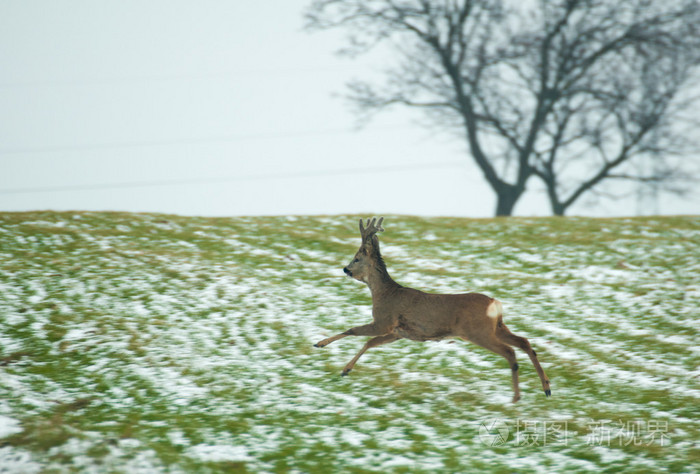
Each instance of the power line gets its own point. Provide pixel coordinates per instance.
(189, 141)
(250, 177)
(99, 81)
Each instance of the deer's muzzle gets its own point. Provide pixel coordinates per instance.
(347, 272)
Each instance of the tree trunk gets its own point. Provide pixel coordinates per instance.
(506, 197)
(558, 209)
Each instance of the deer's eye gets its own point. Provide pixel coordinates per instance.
(356, 260)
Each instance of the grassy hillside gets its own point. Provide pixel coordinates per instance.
(146, 343)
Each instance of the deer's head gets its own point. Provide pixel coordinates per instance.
(367, 258)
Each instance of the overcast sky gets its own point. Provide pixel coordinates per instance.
(216, 108)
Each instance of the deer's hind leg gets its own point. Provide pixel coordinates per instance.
(493, 344)
(504, 334)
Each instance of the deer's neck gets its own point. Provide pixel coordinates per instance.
(379, 282)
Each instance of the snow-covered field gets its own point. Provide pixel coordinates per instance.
(152, 343)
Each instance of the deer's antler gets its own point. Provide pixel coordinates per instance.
(372, 227)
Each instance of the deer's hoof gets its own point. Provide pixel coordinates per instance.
(345, 372)
(548, 392)
(318, 344)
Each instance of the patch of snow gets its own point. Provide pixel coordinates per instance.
(600, 274)
(218, 453)
(9, 426)
(354, 438)
(178, 438)
(13, 460)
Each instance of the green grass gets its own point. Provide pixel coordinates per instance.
(182, 344)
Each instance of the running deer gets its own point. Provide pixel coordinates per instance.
(405, 313)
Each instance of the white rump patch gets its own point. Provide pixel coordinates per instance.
(494, 309)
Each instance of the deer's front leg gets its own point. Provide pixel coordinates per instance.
(372, 329)
(374, 342)
(327, 341)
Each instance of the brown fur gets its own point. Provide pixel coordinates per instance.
(405, 313)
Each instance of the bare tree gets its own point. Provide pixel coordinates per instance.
(570, 91)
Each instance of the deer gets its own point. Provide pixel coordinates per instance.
(399, 312)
